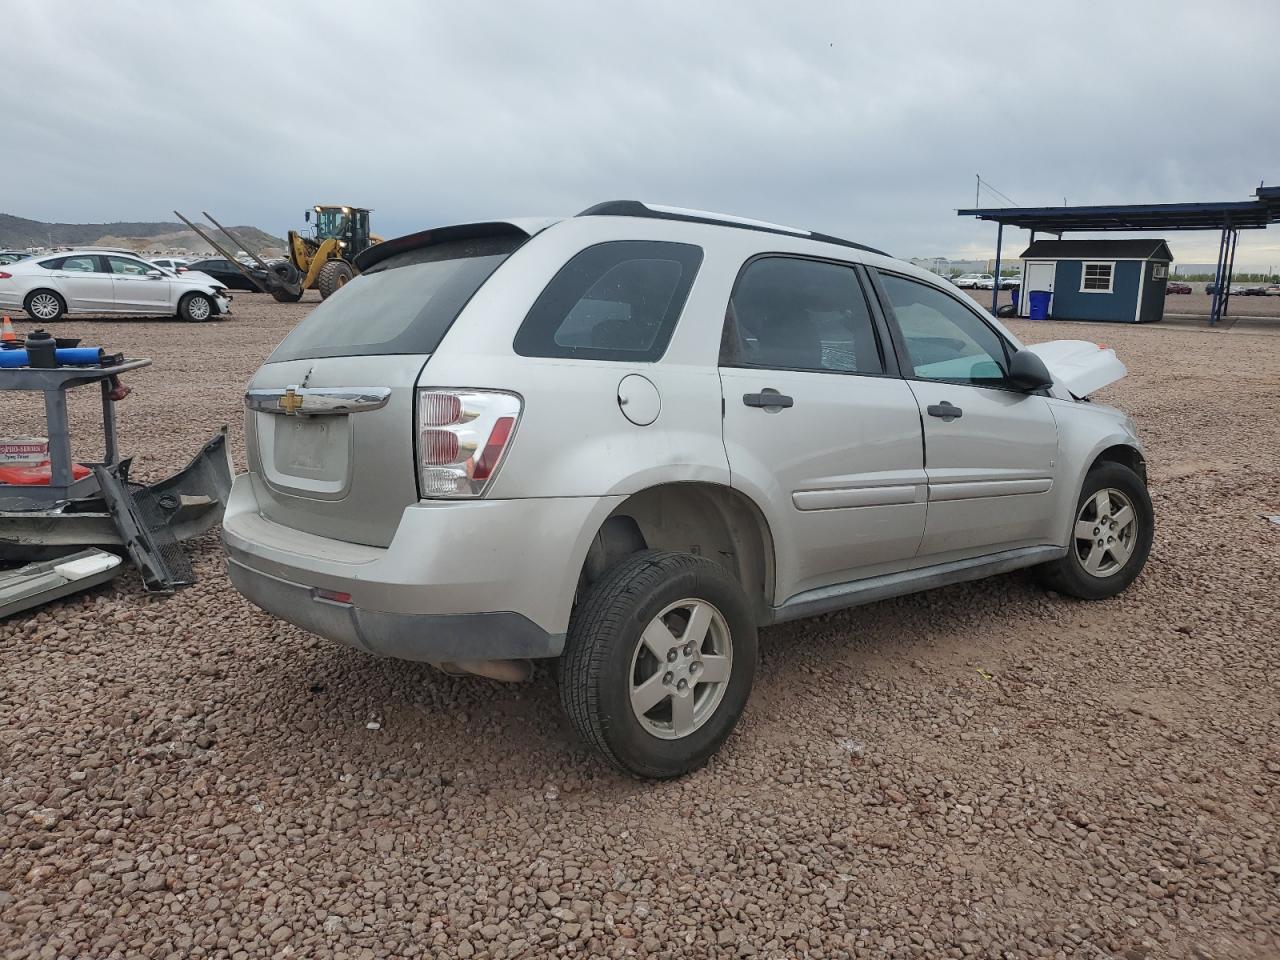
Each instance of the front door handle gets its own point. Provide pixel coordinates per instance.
(768, 398)
(945, 411)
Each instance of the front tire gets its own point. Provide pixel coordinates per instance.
(333, 276)
(196, 308)
(44, 306)
(1110, 536)
(658, 662)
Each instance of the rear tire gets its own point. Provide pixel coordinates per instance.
(1110, 536)
(333, 276)
(44, 306)
(196, 308)
(652, 699)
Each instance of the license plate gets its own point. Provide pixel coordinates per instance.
(308, 444)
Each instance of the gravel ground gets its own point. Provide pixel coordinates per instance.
(983, 771)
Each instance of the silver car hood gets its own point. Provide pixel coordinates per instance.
(1079, 366)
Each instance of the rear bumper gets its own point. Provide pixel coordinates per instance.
(475, 580)
(423, 636)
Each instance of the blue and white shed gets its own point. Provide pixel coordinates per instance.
(1117, 280)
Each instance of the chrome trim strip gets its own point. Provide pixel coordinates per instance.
(317, 401)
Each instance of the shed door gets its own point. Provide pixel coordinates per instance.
(1036, 275)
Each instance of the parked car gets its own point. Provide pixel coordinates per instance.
(173, 264)
(541, 439)
(971, 281)
(1008, 283)
(1235, 288)
(13, 256)
(1273, 290)
(48, 288)
(1251, 290)
(1173, 286)
(226, 273)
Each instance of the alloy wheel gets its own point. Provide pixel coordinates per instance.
(680, 669)
(1106, 532)
(198, 308)
(45, 306)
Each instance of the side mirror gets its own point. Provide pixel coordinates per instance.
(154, 274)
(1028, 372)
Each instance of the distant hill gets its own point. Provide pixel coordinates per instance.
(18, 233)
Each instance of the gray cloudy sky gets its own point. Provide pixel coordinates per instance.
(864, 120)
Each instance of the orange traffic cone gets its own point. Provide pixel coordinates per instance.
(6, 333)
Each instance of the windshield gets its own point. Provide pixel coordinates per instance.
(330, 222)
(405, 304)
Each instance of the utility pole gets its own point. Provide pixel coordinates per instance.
(977, 188)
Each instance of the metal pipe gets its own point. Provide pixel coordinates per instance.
(506, 671)
(995, 289)
(1231, 266)
(1216, 304)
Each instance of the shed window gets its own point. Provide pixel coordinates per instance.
(1159, 271)
(1097, 277)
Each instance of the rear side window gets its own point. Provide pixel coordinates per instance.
(612, 301)
(404, 304)
(792, 314)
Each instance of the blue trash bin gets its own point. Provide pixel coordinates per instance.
(1039, 304)
(1013, 296)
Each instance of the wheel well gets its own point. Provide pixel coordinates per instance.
(61, 298)
(1126, 456)
(705, 519)
(213, 301)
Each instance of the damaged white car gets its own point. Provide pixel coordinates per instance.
(629, 439)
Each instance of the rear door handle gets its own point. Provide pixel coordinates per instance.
(945, 411)
(768, 398)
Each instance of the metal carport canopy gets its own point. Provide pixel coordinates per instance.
(1229, 217)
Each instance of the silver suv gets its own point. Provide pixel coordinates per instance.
(629, 439)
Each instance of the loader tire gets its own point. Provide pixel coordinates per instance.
(333, 275)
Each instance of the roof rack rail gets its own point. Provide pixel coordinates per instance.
(636, 208)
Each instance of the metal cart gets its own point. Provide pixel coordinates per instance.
(54, 384)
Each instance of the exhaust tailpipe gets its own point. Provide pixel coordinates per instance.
(506, 671)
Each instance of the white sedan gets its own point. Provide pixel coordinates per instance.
(86, 281)
(974, 281)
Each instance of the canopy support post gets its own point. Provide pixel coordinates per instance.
(995, 287)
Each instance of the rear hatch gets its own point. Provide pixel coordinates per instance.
(329, 424)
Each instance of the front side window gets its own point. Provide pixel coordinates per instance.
(123, 266)
(1096, 277)
(612, 301)
(944, 339)
(792, 314)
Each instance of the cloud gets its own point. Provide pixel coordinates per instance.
(867, 121)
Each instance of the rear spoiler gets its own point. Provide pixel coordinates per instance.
(462, 231)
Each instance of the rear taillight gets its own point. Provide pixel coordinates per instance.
(462, 437)
(5, 276)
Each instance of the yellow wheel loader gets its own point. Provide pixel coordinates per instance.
(322, 260)
(325, 258)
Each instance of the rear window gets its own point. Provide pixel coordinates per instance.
(613, 301)
(404, 304)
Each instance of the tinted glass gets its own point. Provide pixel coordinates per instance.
(613, 301)
(405, 304)
(127, 267)
(80, 265)
(795, 314)
(945, 340)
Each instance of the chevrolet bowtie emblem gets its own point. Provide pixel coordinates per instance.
(290, 402)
